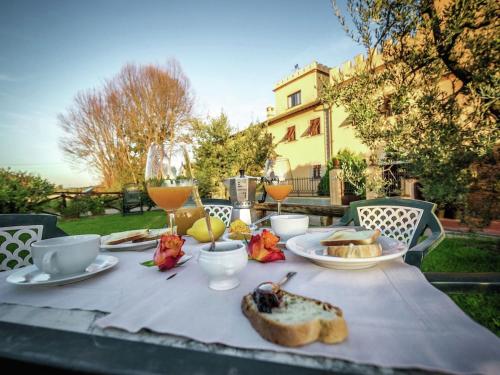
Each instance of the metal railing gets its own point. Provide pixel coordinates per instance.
(305, 187)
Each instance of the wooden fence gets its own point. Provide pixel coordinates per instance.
(64, 196)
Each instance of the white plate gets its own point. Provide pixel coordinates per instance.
(31, 275)
(309, 247)
(131, 246)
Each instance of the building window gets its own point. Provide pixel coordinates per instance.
(290, 134)
(294, 99)
(314, 127)
(317, 171)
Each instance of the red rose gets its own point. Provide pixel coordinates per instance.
(169, 251)
(262, 247)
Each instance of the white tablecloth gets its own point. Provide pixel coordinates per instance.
(395, 317)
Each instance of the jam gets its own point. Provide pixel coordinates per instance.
(266, 298)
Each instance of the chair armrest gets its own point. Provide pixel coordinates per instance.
(429, 243)
(416, 254)
(344, 220)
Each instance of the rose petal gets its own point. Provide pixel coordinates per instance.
(170, 262)
(273, 256)
(258, 251)
(270, 240)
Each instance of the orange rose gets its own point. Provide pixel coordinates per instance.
(169, 251)
(262, 247)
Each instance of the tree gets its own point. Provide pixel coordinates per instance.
(112, 127)
(254, 145)
(220, 153)
(428, 89)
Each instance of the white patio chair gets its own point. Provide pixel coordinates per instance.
(221, 211)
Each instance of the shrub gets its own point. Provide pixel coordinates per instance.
(324, 183)
(95, 205)
(74, 208)
(82, 205)
(22, 191)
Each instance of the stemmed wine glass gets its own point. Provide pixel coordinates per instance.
(278, 179)
(166, 180)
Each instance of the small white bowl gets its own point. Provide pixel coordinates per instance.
(222, 265)
(288, 226)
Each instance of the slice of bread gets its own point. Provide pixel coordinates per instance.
(339, 238)
(156, 235)
(121, 237)
(355, 251)
(298, 321)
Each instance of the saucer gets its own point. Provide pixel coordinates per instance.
(31, 275)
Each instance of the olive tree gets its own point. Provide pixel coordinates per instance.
(428, 88)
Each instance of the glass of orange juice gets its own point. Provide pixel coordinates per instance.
(166, 179)
(278, 179)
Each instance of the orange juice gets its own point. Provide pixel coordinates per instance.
(170, 197)
(278, 192)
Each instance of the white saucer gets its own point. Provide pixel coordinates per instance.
(31, 275)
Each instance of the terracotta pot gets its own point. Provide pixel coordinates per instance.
(185, 218)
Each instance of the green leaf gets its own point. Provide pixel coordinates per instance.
(148, 263)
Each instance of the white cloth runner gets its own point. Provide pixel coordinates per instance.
(395, 317)
(104, 292)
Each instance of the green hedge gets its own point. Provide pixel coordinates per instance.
(22, 191)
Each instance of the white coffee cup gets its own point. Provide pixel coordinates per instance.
(65, 255)
(288, 226)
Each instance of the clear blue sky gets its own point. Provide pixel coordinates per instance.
(232, 51)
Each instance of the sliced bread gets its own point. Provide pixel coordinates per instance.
(297, 321)
(339, 238)
(152, 235)
(355, 251)
(121, 237)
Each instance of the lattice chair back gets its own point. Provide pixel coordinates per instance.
(396, 222)
(223, 212)
(15, 245)
(401, 219)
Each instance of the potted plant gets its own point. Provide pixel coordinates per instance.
(353, 169)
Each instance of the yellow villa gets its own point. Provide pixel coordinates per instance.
(304, 130)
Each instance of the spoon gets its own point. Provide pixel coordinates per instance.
(210, 232)
(267, 294)
(254, 224)
(270, 287)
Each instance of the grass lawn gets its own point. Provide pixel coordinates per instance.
(454, 254)
(108, 224)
